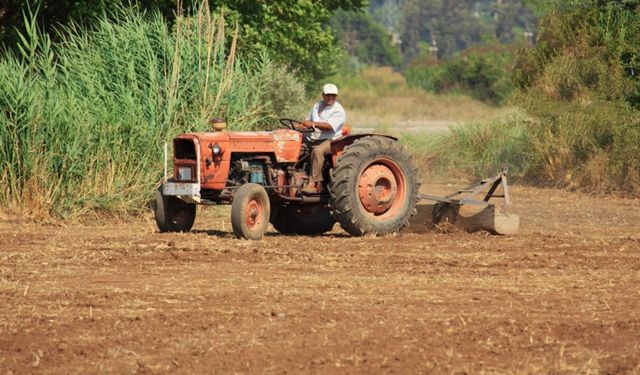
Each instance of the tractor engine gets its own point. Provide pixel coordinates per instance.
(284, 179)
(244, 171)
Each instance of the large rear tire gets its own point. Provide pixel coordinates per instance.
(304, 220)
(374, 187)
(173, 214)
(250, 212)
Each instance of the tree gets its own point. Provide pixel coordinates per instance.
(387, 12)
(365, 38)
(451, 24)
(599, 38)
(294, 32)
(55, 13)
(580, 84)
(456, 24)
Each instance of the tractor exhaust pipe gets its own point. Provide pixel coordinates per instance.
(324, 198)
(165, 161)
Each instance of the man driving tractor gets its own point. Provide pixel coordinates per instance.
(372, 179)
(327, 118)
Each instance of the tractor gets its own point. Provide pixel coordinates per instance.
(370, 183)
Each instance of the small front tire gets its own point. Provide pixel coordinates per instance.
(250, 212)
(172, 214)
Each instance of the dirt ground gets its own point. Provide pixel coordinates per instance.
(562, 297)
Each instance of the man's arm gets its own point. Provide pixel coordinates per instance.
(337, 119)
(305, 125)
(319, 125)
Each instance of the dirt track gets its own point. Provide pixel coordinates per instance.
(562, 297)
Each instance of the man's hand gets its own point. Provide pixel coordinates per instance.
(304, 125)
(325, 126)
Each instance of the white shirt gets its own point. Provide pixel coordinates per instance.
(333, 115)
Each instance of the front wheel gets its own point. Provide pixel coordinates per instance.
(250, 212)
(374, 187)
(173, 214)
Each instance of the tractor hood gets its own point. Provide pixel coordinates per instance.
(206, 157)
(283, 144)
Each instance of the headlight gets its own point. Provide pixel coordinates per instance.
(185, 174)
(217, 150)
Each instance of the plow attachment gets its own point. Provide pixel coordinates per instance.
(472, 208)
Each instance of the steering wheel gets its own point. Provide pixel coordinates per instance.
(290, 124)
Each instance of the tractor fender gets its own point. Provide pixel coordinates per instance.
(337, 146)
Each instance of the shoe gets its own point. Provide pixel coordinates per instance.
(309, 189)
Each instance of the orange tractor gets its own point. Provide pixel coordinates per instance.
(370, 183)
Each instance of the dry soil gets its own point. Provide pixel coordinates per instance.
(561, 297)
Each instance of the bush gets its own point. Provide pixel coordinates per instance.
(481, 72)
(364, 89)
(83, 122)
(478, 149)
(282, 92)
(579, 145)
(581, 86)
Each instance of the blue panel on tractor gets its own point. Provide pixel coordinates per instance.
(257, 178)
(256, 175)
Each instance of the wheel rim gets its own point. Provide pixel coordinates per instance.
(253, 214)
(382, 188)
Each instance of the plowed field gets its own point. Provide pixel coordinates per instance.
(561, 297)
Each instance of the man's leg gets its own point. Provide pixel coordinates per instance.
(318, 154)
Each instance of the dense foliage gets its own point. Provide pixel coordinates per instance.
(582, 85)
(579, 88)
(365, 38)
(294, 33)
(459, 46)
(483, 72)
(453, 25)
(82, 122)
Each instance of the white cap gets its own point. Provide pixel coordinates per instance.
(330, 88)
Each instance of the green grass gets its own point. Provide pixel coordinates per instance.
(589, 148)
(476, 148)
(83, 122)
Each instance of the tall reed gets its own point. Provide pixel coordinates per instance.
(82, 122)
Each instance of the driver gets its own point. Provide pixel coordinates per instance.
(327, 118)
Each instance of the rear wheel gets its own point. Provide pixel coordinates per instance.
(173, 214)
(304, 220)
(374, 187)
(250, 212)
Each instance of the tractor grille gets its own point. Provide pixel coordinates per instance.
(184, 149)
(185, 162)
